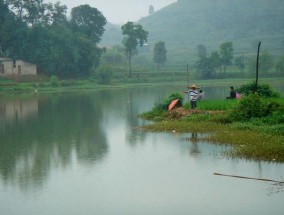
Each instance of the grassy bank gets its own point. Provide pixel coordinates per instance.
(250, 141)
(254, 139)
(45, 84)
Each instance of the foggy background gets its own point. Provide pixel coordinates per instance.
(119, 11)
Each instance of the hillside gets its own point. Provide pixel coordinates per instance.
(187, 23)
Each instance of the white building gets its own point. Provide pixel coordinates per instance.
(16, 67)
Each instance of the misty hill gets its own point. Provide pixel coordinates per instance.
(187, 23)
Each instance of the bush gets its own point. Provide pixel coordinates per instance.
(254, 106)
(104, 74)
(172, 97)
(54, 82)
(263, 90)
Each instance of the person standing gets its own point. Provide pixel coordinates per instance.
(193, 95)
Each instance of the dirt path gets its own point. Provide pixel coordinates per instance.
(181, 111)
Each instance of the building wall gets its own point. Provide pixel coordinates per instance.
(25, 68)
(7, 67)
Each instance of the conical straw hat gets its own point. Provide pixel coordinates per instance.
(193, 87)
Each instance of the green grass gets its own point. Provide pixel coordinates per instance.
(216, 104)
(254, 139)
(250, 142)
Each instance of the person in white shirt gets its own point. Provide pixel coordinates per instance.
(193, 95)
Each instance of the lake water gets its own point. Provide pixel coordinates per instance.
(82, 153)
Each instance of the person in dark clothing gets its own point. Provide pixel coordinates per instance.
(233, 93)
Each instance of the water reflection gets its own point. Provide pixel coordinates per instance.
(194, 149)
(47, 133)
(17, 108)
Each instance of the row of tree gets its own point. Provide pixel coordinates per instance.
(215, 64)
(41, 33)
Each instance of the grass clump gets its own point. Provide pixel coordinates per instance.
(216, 104)
(159, 111)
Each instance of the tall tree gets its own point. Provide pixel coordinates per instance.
(160, 54)
(226, 54)
(31, 12)
(89, 21)
(266, 61)
(239, 62)
(279, 66)
(205, 67)
(215, 60)
(202, 51)
(55, 14)
(3, 12)
(135, 34)
(151, 10)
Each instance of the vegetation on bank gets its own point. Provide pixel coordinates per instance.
(253, 124)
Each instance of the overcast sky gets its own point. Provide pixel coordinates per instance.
(118, 11)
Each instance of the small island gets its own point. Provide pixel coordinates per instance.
(254, 124)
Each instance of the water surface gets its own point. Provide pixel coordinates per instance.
(81, 153)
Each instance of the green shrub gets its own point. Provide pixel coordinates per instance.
(54, 82)
(172, 97)
(159, 111)
(104, 74)
(156, 113)
(254, 106)
(263, 90)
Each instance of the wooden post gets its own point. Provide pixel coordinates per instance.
(257, 65)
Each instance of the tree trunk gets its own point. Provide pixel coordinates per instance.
(129, 64)
(224, 71)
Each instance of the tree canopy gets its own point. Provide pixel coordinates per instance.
(160, 54)
(135, 34)
(41, 34)
(88, 21)
(226, 54)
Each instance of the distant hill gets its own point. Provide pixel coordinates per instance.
(187, 23)
(112, 36)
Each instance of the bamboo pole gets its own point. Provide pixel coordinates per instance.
(244, 177)
(257, 66)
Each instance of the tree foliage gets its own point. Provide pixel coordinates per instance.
(239, 62)
(226, 54)
(202, 50)
(151, 10)
(205, 67)
(266, 62)
(41, 34)
(135, 34)
(88, 21)
(160, 54)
